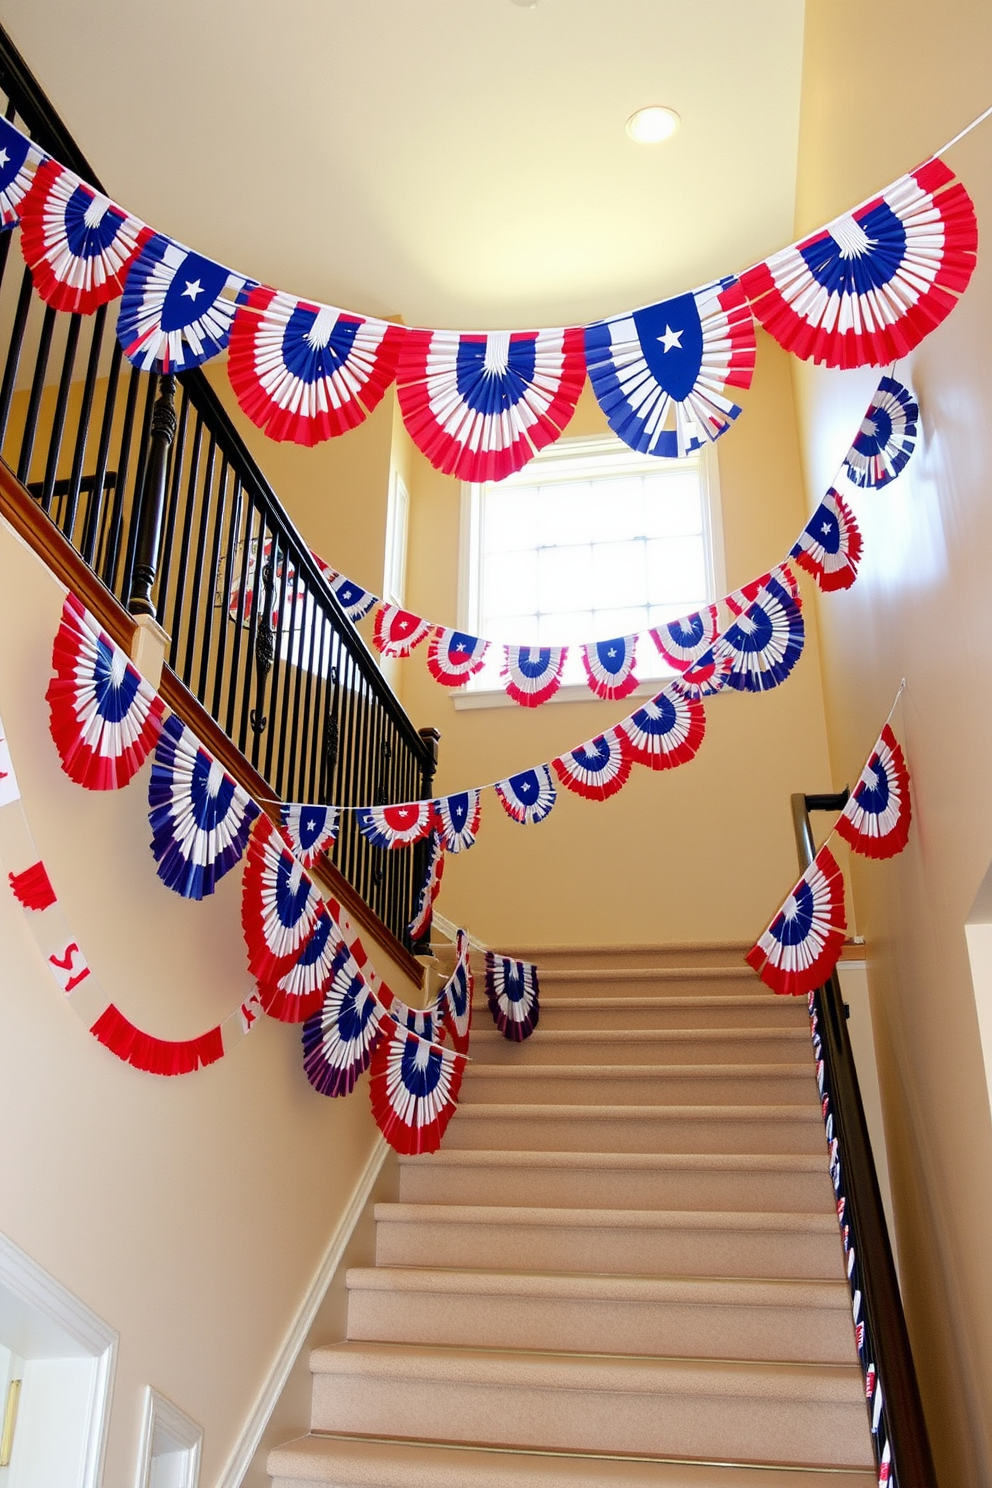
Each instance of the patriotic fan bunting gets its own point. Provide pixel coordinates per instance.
(76, 242)
(800, 948)
(529, 796)
(532, 674)
(683, 641)
(338, 1041)
(397, 631)
(200, 817)
(457, 997)
(173, 312)
(764, 642)
(661, 373)
(887, 437)
(18, 161)
(598, 769)
(876, 819)
(829, 546)
(353, 599)
(310, 830)
(868, 288)
(453, 656)
(457, 819)
(427, 1023)
(414, 1086)
(298, 992)
(513, 993)
(739, 600)
(396, 826)
(609, 667)
(104, 716)
(306, 372)
(156, 1056)
(420, 925)
(707, 675)
(279, 906)
(667, 731)
(480, 406)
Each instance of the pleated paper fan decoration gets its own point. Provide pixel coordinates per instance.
(156, 1056)
(104, 717)
(310, 830)
(887, 437)
(428, 1023)
(800, 948)
(77, 243)
(598, 769)
(513, 993)
(398, 631)
(683, 641)
(661, 374)
(532, 674)
(867, 288)
(667, 731)
(529, 796)
(739, 600)
(481, 405)
(420, 925)
(414, 1086)
(353, 599)
(32, 888)
(829, 546)
(298, 992)
(609, 667)
(306, 372)
(764, 642)
(200, 818)
(453, 656)
(457, 997)
(174, 314)
(457, 819)
(279, 904)
(877, 817)
(339, 1040)
(396, 826)
(707, 675)
(19, 159)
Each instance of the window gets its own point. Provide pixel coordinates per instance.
(588, 542)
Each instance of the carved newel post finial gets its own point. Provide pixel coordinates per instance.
(151, 500)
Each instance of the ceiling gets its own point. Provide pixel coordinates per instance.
(454, 162)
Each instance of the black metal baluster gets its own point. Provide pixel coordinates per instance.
(144, 451)
(250, 574)
(279, 581)
(95, 504)
(34, 401)
(193, 604)
(178, 465)
(180, 618)
(83, 423)
(14, 348)
(150, 502)
(222, 591)
(112, 548)
(206, 612)
(58, 419)
(235, 592)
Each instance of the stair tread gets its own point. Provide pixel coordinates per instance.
(533, 1111)
(770, 1004)
(728, 1071)
(769, 1162)
(375, 1462)
(607, 1036)
(682, 1219)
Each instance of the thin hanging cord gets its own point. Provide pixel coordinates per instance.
(967, 130)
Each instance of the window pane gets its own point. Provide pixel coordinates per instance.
(675, 569)
(617, 509)
(564, 575)
(562, 513)
(511, 584)
(672, 504)
(509, 516)
(619, 574)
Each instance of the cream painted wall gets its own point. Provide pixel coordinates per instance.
(190, 1214)
(884, 86)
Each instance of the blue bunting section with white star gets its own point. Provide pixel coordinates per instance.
(863, 291)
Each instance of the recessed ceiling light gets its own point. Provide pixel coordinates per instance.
(526, 4)
(649, 126)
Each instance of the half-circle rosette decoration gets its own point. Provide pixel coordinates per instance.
(739, 599)
(480, 405)
(456, 994)
(667, 731)
(876, 820)
(297, 992)
(829, 546)
(19, 159)
(355, 601)
(513, 994)
(597, 769)
(868, 287)
(200, 817)
(398, 631)
(801, 946)
(306, 372)
(339, 1040)
(683, 641)
(280, 905)
(609, 667)
(420, 925)
(457, 819)
(310, 830)
(174, 314)
(661, 374)
(453, 656)
(529, 796)
(707, 675)
(886, 440)
(77, 243)
(414, 1086)
(104, 717)
(396, 826)
(764, 642)
(532, 674)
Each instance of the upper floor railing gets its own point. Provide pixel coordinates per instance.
(157, 492)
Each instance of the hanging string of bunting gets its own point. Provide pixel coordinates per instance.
(862, 291)
(800, 947)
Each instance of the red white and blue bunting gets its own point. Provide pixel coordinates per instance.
(456, 996)
(532, 674)
(177, 308)
(597, 769)
(528, 796)
(311, 830)
(887, 438)
(453, 656)
(397, 631)
(420, 925)
(513, 993)
(667, 731)
(19, 160)
(829, 546)
(457, 819)
(414, 1086)
(764, 642)
(340, 1039)
(279, 911)
(609, 667)
(682, 642)
(396, 826)
(876, 820)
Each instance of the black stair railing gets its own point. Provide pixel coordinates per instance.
(152, 485)
(895, 1411)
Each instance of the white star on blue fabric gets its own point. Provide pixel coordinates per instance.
(4, 158)
(193, 288)
(671, 338)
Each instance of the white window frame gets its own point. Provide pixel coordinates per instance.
(583, 449)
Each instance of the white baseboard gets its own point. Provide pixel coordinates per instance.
(247, 1444)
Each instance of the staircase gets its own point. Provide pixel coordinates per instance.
(624, 1267)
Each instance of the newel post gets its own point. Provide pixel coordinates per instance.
(151, 500)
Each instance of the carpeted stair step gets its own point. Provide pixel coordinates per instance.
(583, 1128)
(643, 1084)
(621, 1046)
(735, 1010)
